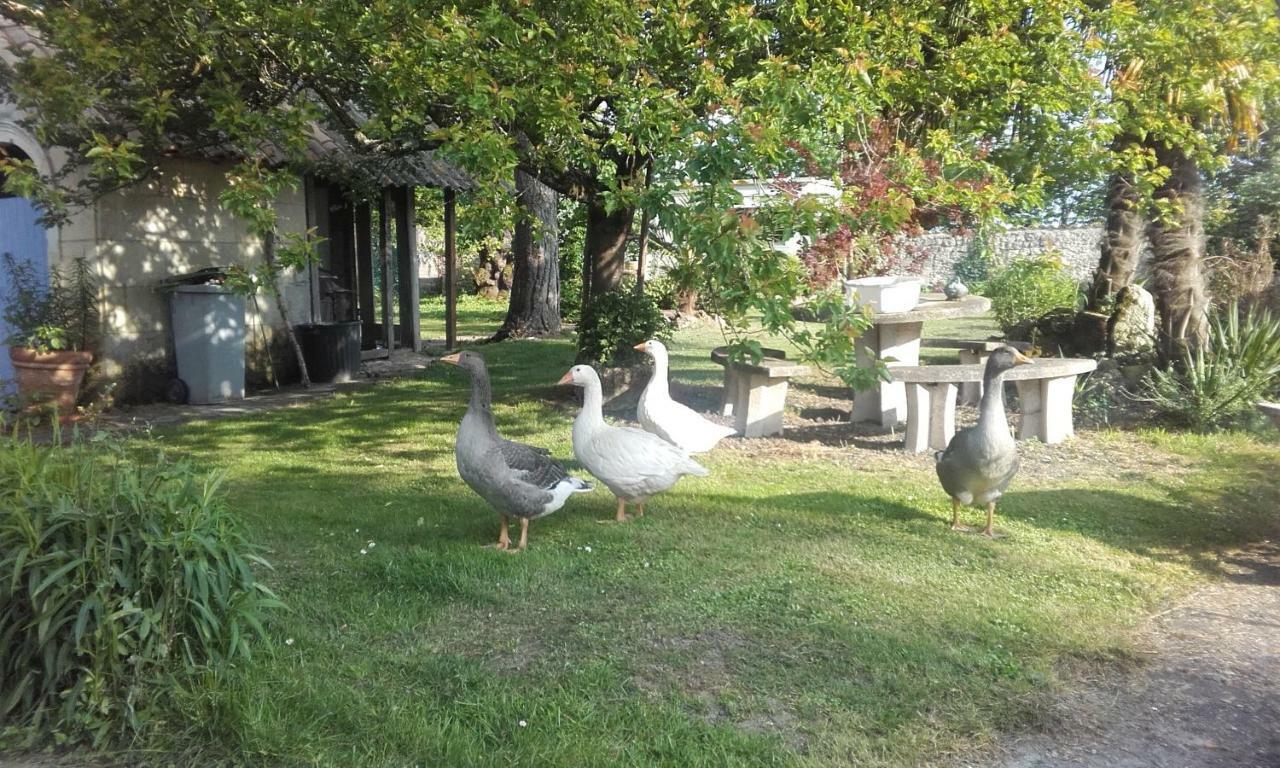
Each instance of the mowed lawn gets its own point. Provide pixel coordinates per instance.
(797, 607)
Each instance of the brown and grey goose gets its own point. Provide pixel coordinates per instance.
(980, 462)
(517, 480)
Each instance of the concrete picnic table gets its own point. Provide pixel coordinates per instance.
(1046, 388)
(897, 335)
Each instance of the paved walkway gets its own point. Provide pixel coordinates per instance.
(400, 363)
(1208, 696)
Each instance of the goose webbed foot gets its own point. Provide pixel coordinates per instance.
(956, 525)
(504, 539)
(621, 516)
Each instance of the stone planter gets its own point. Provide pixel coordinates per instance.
(1272, 410)
(50, 377)
(883, 294)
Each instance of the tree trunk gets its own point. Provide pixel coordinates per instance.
(1121, 243)
(606, 245)
(273, 285)
(1177, 257)
(535, 292)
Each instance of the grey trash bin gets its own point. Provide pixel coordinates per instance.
(208, 342)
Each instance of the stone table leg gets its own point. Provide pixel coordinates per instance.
(1058, 395)
(918, 415)
(1046, 409)
(897, 344)
(942, 415)
(759, 414)
(1031, 404)
(971, 391)
(729, 392)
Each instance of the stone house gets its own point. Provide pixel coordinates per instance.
(172, 223)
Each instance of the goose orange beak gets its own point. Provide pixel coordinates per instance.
(567, 378)
(639, 347)
(452, 359)
(1021, 359)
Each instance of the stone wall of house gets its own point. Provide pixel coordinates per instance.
(938, 254)
(171, 224)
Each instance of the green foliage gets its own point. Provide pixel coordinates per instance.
(616, 321)
(1246, 195)
(571, 229)
(1029, 288)
(118, 575)
(662, 289)
(60, 316)
(1238, 366)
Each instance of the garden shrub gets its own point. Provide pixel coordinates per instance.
(118, 576)
(614, 322)
(1238, 366)
(1028, 289)
(662, 289)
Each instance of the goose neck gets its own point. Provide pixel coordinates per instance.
(991, 409)
(658, 383)
(481, 404)
(592, 404)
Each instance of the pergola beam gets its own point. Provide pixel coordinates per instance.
(450, 270)
(385, 204)
(407, 261)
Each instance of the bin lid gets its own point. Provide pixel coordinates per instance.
(208, 277)
(206, 288)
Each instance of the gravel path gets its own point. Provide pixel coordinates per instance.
(1208, 697)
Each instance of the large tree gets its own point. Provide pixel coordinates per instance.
(1188, 80)
(534, 308)
(584, 95)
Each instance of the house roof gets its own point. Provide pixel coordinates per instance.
(327, 149)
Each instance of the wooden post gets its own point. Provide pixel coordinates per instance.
(364, 268)
(450, 271)
(312, 208)
(384, 259)
(406, 251)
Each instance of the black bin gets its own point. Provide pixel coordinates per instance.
(332, 350)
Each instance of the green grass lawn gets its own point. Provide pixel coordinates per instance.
(477, 316)
(804, 605)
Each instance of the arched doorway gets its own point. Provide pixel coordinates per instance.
(24, 239)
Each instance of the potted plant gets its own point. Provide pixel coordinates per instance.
(50, 329)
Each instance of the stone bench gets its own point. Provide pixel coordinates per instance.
(1045, 391)
(755, 394)
(973, 353)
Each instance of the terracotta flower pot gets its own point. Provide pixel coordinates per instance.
(50, 377)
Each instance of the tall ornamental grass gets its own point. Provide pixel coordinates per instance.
(120, 573)
(1236, 367)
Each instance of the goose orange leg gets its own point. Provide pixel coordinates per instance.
(621, 517)
(504, 539)
(991, 520)
(524, 537)
(955, 517)
(640, 510)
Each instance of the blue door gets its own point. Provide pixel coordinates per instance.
(22, 236)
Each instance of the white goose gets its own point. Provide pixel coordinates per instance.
(632, 463)
(674, 422)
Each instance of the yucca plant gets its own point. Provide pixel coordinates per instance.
(119, 574)
(1238, 366)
